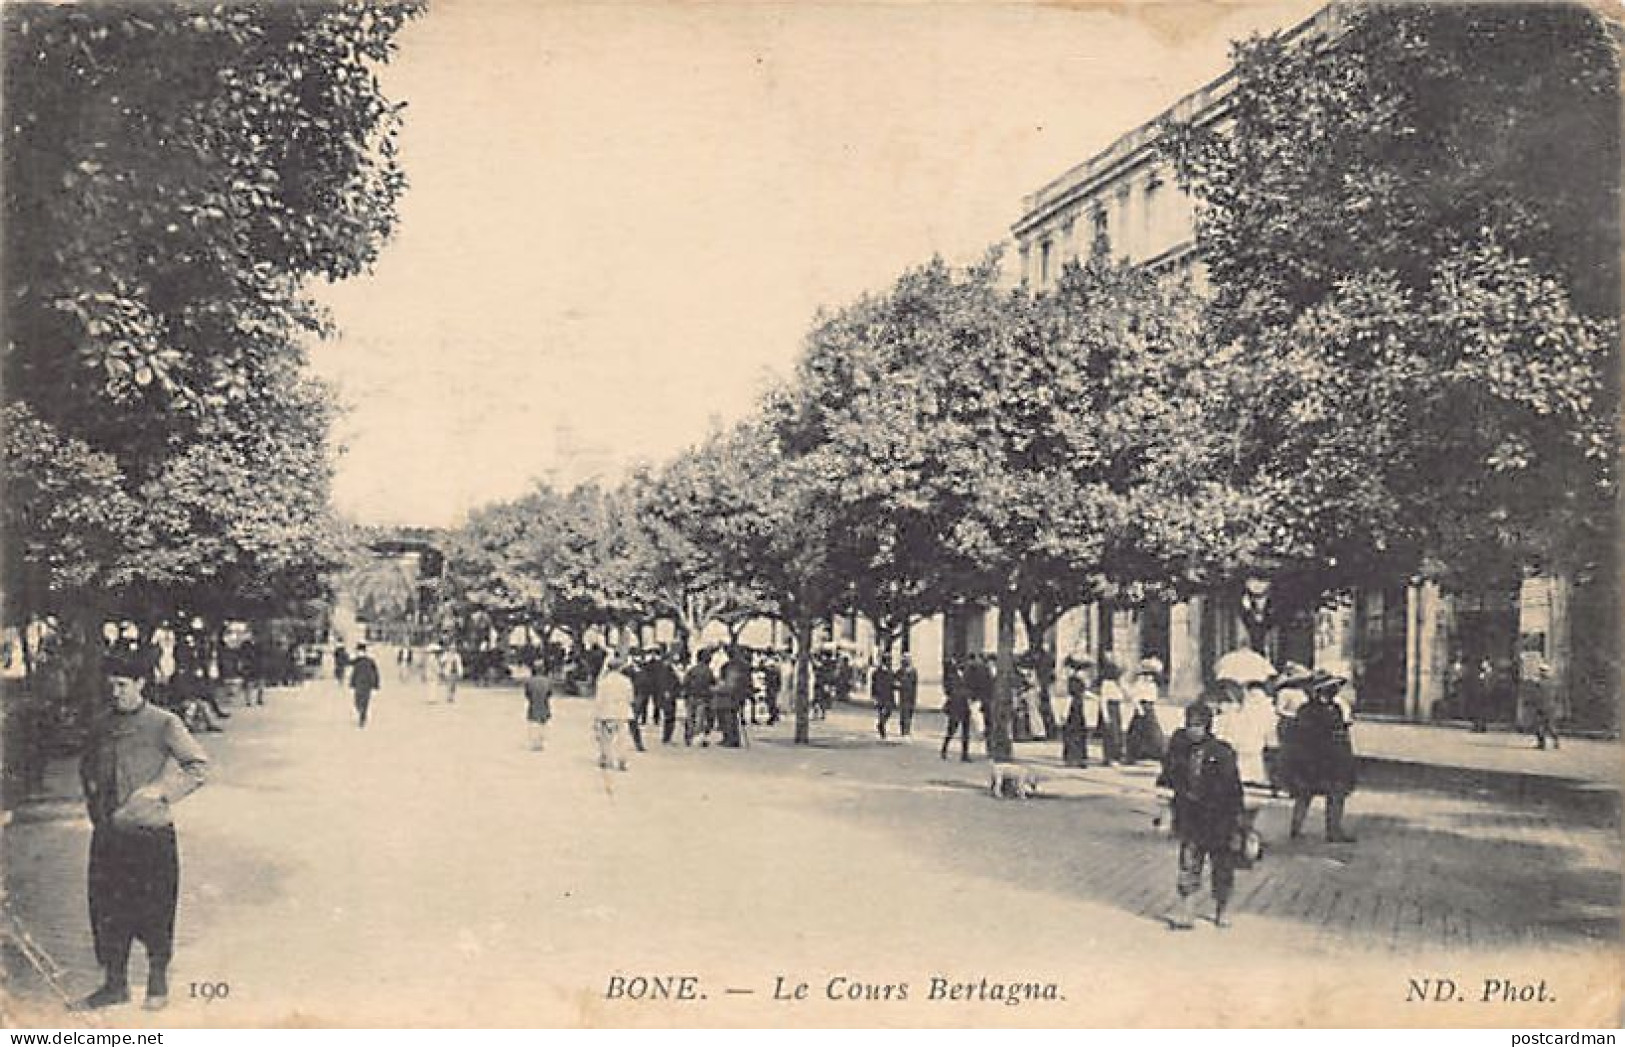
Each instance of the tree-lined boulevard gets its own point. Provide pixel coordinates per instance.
(1388, 359)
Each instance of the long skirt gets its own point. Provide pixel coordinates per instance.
(1145, 738)
(1074, 744)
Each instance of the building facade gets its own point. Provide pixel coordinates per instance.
(1407, 650)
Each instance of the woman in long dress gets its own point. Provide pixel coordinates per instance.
(1320, 758)
(1146, 740)
(1083, 711)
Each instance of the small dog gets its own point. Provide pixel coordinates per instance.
(1013, 780)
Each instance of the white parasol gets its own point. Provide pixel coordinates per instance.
(1244, 666)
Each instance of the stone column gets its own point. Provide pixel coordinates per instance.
(1185, 670)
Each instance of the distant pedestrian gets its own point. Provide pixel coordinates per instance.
(612, 711)
(1544, 698)
(698, 683)
(772, 685)
(957, 709)
(1145, 737)
(882, 688)
(1113, 699)
(643, 688)
(1319, 757)
(979, 681)
(448, 670)
(731, 696)
(538, 708)
(363, 682)
(1207, 810)
(1480, 694)
(667, 687)
(1083, 710)
(139, 760)
(341, 662)
(908, 695)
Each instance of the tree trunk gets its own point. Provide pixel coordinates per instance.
(802, 629)
(999, 743)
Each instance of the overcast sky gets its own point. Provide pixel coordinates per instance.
(622, 217)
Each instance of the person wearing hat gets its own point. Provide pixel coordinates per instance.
(612, 711)
(1113, 698)
(1319, 757)
(363, 681)
(1145, 738)
(1207, 807)
(883, 689)
(956, 707)
(138, 761)
(908, 695)
(1083, 711)
(448, 670)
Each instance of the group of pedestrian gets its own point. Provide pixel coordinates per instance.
(1124, 718)
(721, 688)
(895, 691)
(1228, 740)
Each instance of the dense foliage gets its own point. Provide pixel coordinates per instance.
(174, 175)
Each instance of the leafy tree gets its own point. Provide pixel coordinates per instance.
(675, 565)
(777, 533)
(547, 559)
(172, 177)
(1412, 234)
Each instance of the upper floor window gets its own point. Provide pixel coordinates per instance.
(1102, 233)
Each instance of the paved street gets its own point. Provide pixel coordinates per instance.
(432, 871)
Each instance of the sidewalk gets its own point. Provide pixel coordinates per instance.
(1584, 760)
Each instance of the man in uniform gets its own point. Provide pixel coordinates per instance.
(139, 760)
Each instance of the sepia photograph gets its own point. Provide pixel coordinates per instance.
(893, 514)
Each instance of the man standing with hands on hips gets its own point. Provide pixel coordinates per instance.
(139, 760)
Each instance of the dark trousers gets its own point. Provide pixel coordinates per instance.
(667, 710)
(641, 705)
(883, 717)
(905, 716)
(133, 882)
(637, 733)
(958, 722)
(362, 700)
(1192, 855)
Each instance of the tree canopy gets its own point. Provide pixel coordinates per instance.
(174, 175)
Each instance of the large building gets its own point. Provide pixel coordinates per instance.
(1404, 648)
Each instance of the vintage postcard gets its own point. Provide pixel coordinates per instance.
(887, 514)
